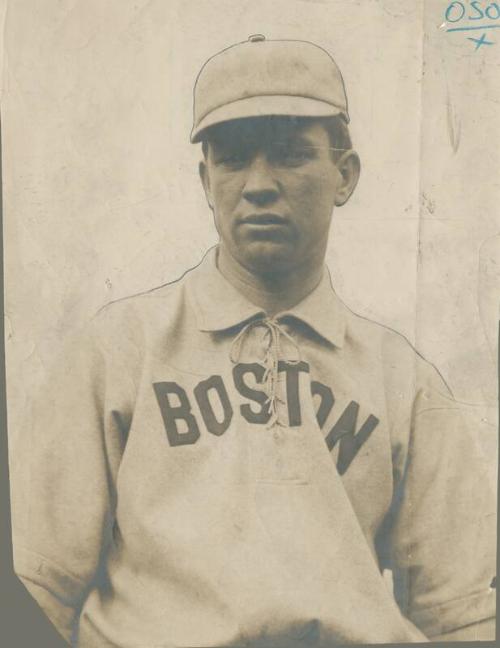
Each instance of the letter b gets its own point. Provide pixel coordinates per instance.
(171, 414)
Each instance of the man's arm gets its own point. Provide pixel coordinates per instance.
(443, 526)
(68, 445)
(480, 631)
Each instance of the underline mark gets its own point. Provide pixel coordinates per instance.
(455, 29)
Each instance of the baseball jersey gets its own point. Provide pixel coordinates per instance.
(204, 475)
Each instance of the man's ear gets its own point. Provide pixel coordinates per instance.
(349, 167)
(205, 181)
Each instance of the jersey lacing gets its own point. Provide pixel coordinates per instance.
(273, 333)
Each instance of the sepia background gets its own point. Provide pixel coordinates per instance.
(102, 197)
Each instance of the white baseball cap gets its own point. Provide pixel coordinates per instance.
(262, 77)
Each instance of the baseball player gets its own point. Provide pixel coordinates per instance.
(234, 459)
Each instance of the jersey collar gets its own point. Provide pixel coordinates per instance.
(219, 306)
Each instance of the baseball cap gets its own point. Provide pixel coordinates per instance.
(260, 77)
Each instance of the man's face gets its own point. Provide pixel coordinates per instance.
(272, 185)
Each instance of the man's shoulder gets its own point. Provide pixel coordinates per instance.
(363, 331)
(150, 309)
(153, 298)
(385, 345)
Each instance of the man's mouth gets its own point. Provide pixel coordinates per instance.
(264, 219)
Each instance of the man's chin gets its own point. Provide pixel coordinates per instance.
(268, 258)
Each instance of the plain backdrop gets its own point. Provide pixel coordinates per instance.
(101, 190)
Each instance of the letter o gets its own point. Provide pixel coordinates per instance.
(216, 384)
(496, 8)
(449, 10)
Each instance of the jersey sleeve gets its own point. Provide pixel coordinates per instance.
(71, 445)
(443, 524)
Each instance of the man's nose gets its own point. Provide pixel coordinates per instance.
(260, 187)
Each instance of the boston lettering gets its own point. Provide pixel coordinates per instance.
(182, 427)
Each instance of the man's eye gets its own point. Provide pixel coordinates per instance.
(290, 156)
(232, 160)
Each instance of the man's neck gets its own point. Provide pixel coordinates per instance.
(274, 292)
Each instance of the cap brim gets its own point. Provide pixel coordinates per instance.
(263, 106)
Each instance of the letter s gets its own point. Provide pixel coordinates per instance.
(480, 14)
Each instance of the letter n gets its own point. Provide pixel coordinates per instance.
(344, 431)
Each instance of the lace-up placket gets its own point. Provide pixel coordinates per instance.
(273, 353)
